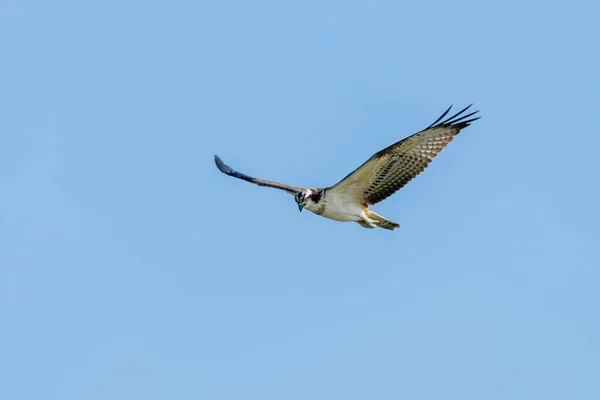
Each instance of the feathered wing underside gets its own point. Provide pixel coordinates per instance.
(260, 182)
(390, 169)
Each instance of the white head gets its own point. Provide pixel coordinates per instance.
(308, 195)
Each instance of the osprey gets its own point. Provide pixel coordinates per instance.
(376, 179)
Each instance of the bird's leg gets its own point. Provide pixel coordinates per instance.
(368, 221)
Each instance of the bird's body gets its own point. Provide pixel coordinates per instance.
(335, 206)
(378, 178)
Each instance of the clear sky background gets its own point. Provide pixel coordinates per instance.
(130, 268)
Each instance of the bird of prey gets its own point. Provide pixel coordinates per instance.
(376, 179)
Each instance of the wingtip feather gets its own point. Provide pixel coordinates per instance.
(457, 119)
(221, 165)
(441, 116)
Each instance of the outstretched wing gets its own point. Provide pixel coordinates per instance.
(390, 169)
(260, 182)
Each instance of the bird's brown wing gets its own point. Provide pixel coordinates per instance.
(390, 169)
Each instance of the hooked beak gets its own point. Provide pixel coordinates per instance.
(300, 206)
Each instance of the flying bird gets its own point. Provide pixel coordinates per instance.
(376, 179)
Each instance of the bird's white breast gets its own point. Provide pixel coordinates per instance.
(337, 208)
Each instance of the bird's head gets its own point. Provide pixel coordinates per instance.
(304, 196)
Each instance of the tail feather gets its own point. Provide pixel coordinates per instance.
(382, 222)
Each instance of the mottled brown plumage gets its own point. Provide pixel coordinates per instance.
(390, 169)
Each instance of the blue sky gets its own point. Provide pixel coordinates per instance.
(132, 269)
